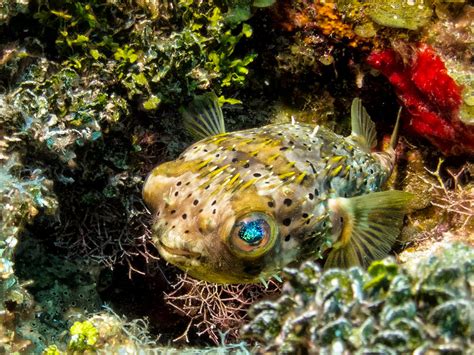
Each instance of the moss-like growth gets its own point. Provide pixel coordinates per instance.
(425, 305)
(411, 15)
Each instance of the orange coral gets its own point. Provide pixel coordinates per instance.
(322, 16)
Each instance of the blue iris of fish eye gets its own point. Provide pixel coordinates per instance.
(253, 232)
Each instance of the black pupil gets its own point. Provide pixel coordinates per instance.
(253, 232)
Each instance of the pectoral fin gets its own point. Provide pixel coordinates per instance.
(366, 227)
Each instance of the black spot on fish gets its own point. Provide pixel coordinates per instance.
(186, 232)
(200, 211)
(218, 155)
(195, 202)
(178, 183)
(257, 174)
(247, 165)
(188, 183)
(287, 202)
(310, 196)
(176, 193)
(305, 215)
(316, 192)
(173, 211)
(214, 211)
(371, 171)
(283, 148)
(235, 160)
(184, 216)
(271, 204)
(287, 238)
(287, 222)
(213, 203)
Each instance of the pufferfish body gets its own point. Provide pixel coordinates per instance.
(238, 207)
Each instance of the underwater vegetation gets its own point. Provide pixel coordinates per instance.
(90, 97)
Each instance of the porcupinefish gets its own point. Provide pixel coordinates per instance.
(238, 207)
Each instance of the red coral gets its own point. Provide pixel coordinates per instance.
(431, 97)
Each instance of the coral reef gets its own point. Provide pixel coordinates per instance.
(431, 97)
(90, 92)
(423, 306)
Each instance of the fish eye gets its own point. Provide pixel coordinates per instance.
(253, 235)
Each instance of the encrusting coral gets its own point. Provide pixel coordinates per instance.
(424, 306)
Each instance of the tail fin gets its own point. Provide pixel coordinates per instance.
(366, 226)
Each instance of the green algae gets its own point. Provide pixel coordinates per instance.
(409, 14)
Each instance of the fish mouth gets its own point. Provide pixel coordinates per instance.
(179, 252)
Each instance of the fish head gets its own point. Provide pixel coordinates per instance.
(213, 233)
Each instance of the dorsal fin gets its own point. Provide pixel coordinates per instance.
(387, 157)
(366, 227)
(203, 117)
(363, 129)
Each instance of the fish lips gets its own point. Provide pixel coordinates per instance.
(179, 257)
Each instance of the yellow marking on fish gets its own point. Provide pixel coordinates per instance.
(254, 153)
(233, 180)
(336, 171)
(291, 164)
(286, 175)
(245, 141)
(300, 178)
(217, 141)
(273, 157)
(335, 159)
(214, 173)
(204, 163)
(247, 184)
